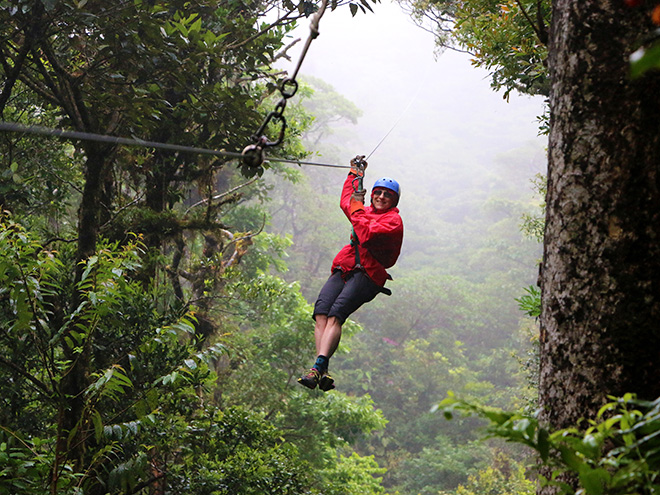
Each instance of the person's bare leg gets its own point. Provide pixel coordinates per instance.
(330, 337)
(319, 330)
(327, 333)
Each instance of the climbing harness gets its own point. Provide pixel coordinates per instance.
(254, 154)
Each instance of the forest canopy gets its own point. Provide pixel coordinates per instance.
(156, 304)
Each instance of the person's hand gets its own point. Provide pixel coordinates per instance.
(358, 165)
(358, 196)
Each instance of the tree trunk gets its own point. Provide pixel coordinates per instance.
(71, 445)
(601, 269)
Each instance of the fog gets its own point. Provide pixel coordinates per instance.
(387, 65)
(453, 141)
(465, 157)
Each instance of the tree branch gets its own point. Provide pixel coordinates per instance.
(71, 98)
(40, 385)
(13, 72)
(220, 196)
(540, 30)
(265, 30)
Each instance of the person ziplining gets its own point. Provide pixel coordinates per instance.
(358, 272)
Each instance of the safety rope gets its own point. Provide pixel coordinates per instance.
(104, 138)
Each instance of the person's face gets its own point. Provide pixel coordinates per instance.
(382, 198)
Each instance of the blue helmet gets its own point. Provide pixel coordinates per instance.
(390, 184)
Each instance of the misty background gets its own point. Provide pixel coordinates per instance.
(213, 318)
(454, 144)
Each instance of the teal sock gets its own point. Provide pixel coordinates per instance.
(321, 363)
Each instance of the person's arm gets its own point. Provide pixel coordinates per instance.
(352, 200)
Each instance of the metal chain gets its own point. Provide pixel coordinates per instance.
(254, 154)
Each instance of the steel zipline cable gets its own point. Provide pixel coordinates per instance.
(104, 138)
(253, 155)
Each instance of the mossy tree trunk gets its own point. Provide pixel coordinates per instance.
(600, 323)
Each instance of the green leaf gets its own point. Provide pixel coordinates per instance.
(196, 26)
(644, 60)
(497, 416)
(98, 424)
(49, 5)
(91, 263)
(570, 458)
(366, 4)
(593, 480)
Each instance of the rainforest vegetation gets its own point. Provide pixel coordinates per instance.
(156, 304)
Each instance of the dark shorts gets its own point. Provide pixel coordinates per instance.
(343, 295)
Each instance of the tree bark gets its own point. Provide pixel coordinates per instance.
(600, 276)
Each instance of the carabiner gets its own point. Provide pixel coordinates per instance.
(359, 161)
(361, 164)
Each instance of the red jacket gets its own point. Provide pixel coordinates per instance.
(380, 234)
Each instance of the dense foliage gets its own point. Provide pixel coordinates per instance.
(152, 414)
(151, 335)
(616, 453)
(133, 279)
